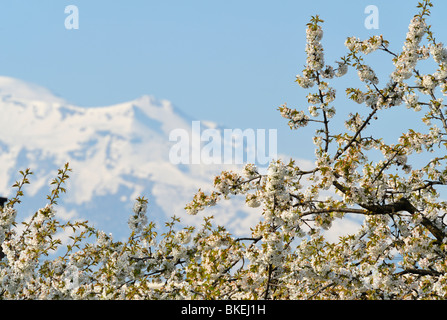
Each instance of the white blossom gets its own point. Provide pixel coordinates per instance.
(439, 53)
(366, 74)
(390, 187)
(412, 101)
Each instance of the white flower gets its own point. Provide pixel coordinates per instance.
(443, 87)
(411, 53)
(342, 69)
(183, 237)
(329, 95)
(416, 30)
(317, 140)
(314, 33)
(140, 207)
(103, 239)
(401, 74)
(314, 49)
(353, 43)
(412, 101)
(428, 82)
(439, 53)
(304, 82)
(441, 73)
(138, 220)
(328, 72)
(313, 98)
(313, 111)
(7, 218)
(375, 43)
(276, 170)
(297, 118)
(252, 201)
(250, 171)
(315, 57)
(366, 74)
(358, 97)
(154, 285)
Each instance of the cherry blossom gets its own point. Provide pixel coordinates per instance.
(397, 252)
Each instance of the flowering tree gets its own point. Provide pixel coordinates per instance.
(399, 252)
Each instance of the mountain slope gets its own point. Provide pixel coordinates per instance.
(117, 153)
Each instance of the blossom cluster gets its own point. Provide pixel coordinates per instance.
(412, 52)
(139, 219)
(366, 46)
(314, 49)
(297, 118)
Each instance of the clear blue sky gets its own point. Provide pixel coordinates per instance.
(233, 62)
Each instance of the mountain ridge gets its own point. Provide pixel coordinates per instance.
(117, 153)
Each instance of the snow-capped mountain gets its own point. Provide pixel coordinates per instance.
(117, 153)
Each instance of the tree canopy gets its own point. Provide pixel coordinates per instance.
(399, 251)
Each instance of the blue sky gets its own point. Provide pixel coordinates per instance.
(232, 62)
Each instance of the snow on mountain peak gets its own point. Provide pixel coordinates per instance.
(117, 153)
(11, 88)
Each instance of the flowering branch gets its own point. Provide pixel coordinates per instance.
(397, 251)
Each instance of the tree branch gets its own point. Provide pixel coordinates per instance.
(354, 138)
(343, 210)
(270, 271)
(403, 204)
(421, 272)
